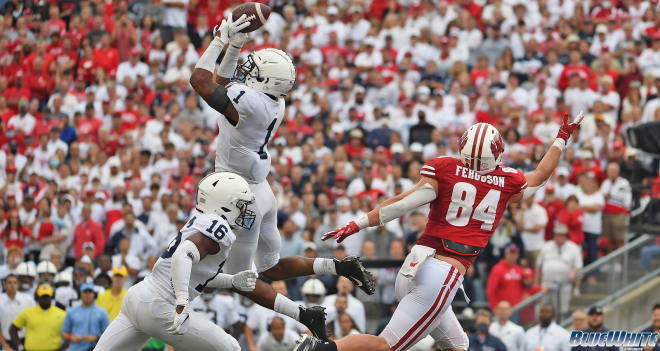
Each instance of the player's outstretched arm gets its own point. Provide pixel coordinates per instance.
(422, 193)
(202, 79)
(549, 162)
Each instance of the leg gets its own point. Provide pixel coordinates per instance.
(449, 334)
(201, 333)
(121, 334)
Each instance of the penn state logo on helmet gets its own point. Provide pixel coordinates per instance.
(481, 148)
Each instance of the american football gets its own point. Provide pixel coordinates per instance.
(256, 13)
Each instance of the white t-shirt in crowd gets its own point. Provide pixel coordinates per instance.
(557, 262)
(175, 16)
(593, 221)
(533, 216)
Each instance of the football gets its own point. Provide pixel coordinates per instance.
(256, 13)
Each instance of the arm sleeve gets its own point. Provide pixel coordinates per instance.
(20, 320)
(182, 260)
(221, 281)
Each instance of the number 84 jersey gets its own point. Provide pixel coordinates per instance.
(210, 225)
(242, 149)
(469, 205)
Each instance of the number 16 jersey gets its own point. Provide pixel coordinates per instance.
(202, 272)
(469, 205)
(242, 149)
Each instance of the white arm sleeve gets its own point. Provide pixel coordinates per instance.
(182, 260)
(419, 197)
(229, 61)
(221, 281)
(530, 190)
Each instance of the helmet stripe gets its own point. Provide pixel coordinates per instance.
(481, 147)
(475, 137)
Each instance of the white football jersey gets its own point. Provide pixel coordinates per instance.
(214, 227)
(242, 149)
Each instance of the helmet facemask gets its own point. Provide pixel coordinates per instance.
(245, 69)
(246, 218)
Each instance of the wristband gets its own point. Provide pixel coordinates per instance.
(363, 222)
(560, 143)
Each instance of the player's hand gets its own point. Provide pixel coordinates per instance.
(244, 281)
(567, 128)
(228, 28)
(239, 39)
(342, 233)
(181, 315)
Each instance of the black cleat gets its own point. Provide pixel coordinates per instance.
(314, 319)
(307, 343)
(351, 268)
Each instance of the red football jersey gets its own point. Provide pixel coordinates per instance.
(469, 205)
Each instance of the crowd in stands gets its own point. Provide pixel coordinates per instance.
(102, 143)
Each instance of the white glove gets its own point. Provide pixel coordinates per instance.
(244, 281)
(177, 327)
(239, 39)
(228, 28)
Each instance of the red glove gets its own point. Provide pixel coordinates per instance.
(342, 233)
(567, 128)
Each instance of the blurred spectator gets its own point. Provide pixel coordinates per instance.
(505, 279)
(547, 334)
(552, 206)
(219, 308)
(572, 217)
(648, 253)
(42, 323)
(595, 321)
(557, 264)
(511, 334)
(278, 337)
(88, 231)
(579, 320)
(591, 202)
(381, 237)
(531, 221)
(482, 340)
(111, 299)
(84, 324)
(355, 307)
(12, 302)
(654, 328)
(618, 202)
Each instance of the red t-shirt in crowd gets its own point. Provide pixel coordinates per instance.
(12, 237)
(504, 284)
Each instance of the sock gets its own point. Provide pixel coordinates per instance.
(285, 306)
(328, 346)
(324, 266)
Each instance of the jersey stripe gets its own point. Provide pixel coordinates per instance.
(474, 145)
(427, 173)
(481, 147)
(406, 336)
(429, 167)
(435, 315)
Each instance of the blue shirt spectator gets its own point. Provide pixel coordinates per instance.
(84, 324)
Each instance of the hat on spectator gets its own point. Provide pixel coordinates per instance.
(45, 289)
(356, 133)
(332, 11)
(86, 259)
(120, 271)
(585, 154)
(340, 177)
(279, 141)
(512, 248)
(560, 229)
(601, 29)
(336, 128)
(528, 273)
(308, 22)
(617, 144)
(11, 169)
(563, 172)
(285, 180)
(370, 41)
(359, 89)
(86, 287)
(416, 147)
(423, 90)
(89, 245)
(595, 310)
(308, 245)
(397, 148)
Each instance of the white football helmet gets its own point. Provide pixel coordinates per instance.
(64, 278)
(24, 269)
(46, 266)
(227, 195)
(270, 71)
(313, 292)
(481, 148)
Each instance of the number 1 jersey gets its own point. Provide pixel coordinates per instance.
(469, 205)
(202, 272)
(242, 149)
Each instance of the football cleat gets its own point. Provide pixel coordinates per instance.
(307, 343)
(351, 268)
(314, 319)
